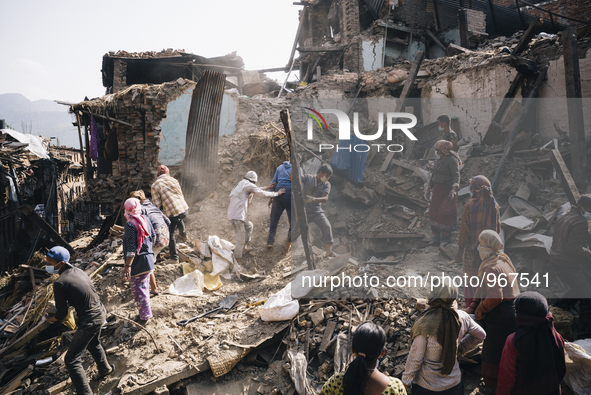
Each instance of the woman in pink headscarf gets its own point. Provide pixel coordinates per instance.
(139, 257)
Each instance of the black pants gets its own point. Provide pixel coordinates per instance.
(176, 221)
(280, 203)
(87, 338)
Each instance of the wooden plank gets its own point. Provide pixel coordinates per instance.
(392, 236)
(403, 195)
(16, 382)
(322, 49)
(330, 327)
(410, 80)
(568, 184)
(40, 327)
(464, 34)
(574, 95)
(495, 128)
(185, 372)
(527, 36)
(40, 222)
(297, 196)
(435, 40)
(518, 127)
(56, 389)
(82, 155)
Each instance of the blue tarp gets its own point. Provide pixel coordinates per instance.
(349, 162)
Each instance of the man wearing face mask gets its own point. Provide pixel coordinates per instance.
(315, 190)
(74, 288)
(571, 256)
(443, 122)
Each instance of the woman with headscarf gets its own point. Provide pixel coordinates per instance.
(362, 375)
(533, 361)
(139, 259)
(494, 302)
(444, 184)
(440, 334)
(160, 223)
(480, 213)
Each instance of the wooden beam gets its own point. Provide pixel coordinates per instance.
(297, 36)
(56, 389)
(40, 327)
(464, 34)
(392, 236)
(108, 118)
(435, 40)
(40, 222)
(495, 127)
(82, 155)
(330, 327)
(527, 106)
(297, 191)
(574, 101)
(16, 382)
(531, 31)
(414, 70)
(322, 49)
(184, 372)
(568, 184)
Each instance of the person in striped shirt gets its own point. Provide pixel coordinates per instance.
(168, 196)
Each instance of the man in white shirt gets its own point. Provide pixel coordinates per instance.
(240, 198)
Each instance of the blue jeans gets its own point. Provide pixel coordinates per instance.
(280, 203)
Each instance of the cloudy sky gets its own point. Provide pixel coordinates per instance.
(53, 49)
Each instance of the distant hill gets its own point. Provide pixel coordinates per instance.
(45, 117)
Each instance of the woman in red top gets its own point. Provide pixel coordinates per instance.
(533, 360)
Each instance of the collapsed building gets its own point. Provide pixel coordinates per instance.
(211, 121)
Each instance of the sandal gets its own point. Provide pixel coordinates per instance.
(99, 376)
(154, 294)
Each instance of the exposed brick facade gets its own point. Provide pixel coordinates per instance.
(578, 9)
(414, 14)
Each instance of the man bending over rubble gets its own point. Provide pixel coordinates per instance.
(240, 198)
(315, 190)
(167, 194)
(571, 257)
(74, 288)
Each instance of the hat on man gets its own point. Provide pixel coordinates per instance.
(251, 176)
(60, 254)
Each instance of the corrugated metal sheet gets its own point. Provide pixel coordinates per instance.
(376, 5)
(199, 176)
(507, 19)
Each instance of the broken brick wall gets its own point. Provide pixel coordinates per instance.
(413, 13)
(119, 75)
(144, 107)
(580, 9)
(349, 21)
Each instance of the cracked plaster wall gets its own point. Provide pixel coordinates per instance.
(475, 95)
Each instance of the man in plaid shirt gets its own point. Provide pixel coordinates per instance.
(167, 195)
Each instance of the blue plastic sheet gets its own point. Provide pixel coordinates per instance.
(349, 162)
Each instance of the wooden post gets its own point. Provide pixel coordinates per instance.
(518, 126)
(464, 35)
(574, 101)
(527, 36)
(297, 192)
(40, 222)
(414, 70)
(568, 184)
(495, 128)
(88, 161)
(82, 155)
(435, 40)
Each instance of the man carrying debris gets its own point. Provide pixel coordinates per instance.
(443, 122)
(571, 256)
(167, 194)
(240, 199)
(315, 190)
(282, 179)
(74, 288)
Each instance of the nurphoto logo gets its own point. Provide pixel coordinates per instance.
(392, 119)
